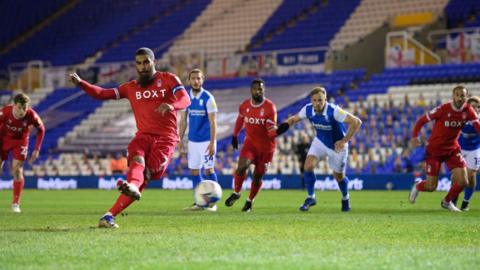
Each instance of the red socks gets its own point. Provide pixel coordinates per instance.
(135, 174)
(421, 185)
(17, 190)
(454, 191)
(123, 202)
(238, 182)
(254, 189)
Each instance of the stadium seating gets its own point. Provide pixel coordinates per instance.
(158, 31)
(303, 24)
(463, 13)
(224, 27)
(30, 12)
(74, 36)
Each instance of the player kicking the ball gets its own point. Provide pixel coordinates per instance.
(449, 119)
(155, 98)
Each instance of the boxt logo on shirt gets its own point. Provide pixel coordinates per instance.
(454, 124)
(255, 121)
(150, 94)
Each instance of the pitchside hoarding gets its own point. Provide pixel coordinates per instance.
(273, 182)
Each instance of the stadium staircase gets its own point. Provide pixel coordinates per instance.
(372, 14)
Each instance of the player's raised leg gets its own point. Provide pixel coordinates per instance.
(432, 166)
(310, 180)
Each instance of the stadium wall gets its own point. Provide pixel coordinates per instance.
(272, 182)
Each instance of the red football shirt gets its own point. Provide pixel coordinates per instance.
(258, 120)
(144, 102)
(19, 129)
(449, 121)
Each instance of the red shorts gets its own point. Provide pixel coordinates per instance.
(260, 157)
(453, 159)
(19, 149)
(156, 151)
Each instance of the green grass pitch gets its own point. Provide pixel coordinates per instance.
(57, 230)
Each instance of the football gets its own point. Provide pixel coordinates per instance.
(207, 193)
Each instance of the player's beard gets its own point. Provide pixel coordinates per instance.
(257, 99)
(145, 80)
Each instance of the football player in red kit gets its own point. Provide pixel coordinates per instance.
(259, 117)
(15, 123)
(442, 146)
(155, 98)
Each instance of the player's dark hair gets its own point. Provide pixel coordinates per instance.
(21, 99)
(256, 81)
(459, 87)
(317, 90)
(196, 70)
(145, 51)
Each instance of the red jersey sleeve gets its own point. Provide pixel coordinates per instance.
(239, 122)
(38, 124)
(99, 92)
(435, 113)
(2, 116)
(272, 122)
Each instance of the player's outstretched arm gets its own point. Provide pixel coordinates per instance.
(283, 127)
(415, 141)
(93, 90)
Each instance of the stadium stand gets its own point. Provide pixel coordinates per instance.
(371, 14)
(301, 25)
(12, 27)
(463, 13)
(225, 27)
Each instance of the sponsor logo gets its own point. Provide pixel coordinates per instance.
(149, 94)
(273, 183)
(331, 184)
(56, 183)
(454, 124)
(6, 184)
(108, 183)
(254, 121)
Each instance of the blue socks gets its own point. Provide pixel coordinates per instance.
(309, 178)
(196, 179)
(212, 176)
(343, 185)
(468, 193)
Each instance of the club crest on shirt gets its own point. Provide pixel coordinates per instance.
(464, 116)
(159, 83)
(201, 102)
(262, 112)
(248, 109)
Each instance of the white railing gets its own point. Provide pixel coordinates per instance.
(406, 40)
(437, 36)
